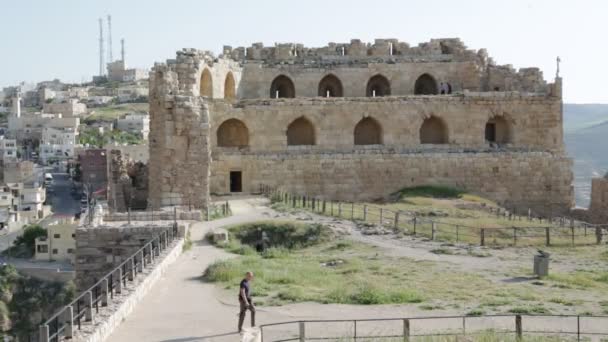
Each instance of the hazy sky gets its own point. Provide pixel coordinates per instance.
(46, 39)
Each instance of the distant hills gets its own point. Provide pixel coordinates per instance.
(586, 138)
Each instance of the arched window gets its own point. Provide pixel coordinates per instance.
(368, 132)
(232, 133)
(229, 87)
(330, 86)
(206, 84)
(433, 131)
(378, 86)
(498, 130)
(282, 87)
(300, 132)
(425, 85)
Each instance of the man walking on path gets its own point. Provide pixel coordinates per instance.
(245, 300)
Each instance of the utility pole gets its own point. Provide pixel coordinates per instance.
(111, 58)
(101, 51)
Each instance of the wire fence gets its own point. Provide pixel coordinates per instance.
(501, 327)
(524, 230)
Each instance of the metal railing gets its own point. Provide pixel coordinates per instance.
(64, 323)
(555, 231)
(404, 329)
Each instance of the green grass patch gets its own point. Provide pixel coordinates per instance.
(432, 191)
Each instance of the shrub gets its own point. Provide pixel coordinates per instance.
(433, 191)
(287, 235)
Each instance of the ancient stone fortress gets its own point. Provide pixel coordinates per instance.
(356, 121)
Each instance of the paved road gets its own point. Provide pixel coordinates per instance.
(7, 240)
(60, 198)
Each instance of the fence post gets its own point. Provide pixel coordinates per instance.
(43, 332)
(518, 328)
(104, 292)
(457, 232)
(381, 217)
(406, 329)
(364, 212)
(572, 229)
(131, 270)
(324, 206)
(340, 209)
(293, 201)
(415, 221)
(302, 332)
(68, 322)
(578, 328)
(598, 235)
(352, 211)
(482, 241)
(119, 282)
(529, 214)
(331, 208)
(313, 204)
(142, 261)
(129, 215)
(396, 220)
(514, 236)
(548, 237)
(433, 230)
(88, 306)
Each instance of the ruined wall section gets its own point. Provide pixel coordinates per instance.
(179, 144)
(598, 209)
(534, 122)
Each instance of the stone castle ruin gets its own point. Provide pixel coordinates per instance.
(356, 121)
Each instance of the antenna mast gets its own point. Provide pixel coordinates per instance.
(122, 50)
(101, 52)
(111, 58)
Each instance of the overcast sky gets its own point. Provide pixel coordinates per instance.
(46, 39)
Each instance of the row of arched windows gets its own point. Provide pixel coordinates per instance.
(368, 131)
(331, 86)
(206, 87)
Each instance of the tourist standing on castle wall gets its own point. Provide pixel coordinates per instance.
(245, 300)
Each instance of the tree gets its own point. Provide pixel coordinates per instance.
(28, 239)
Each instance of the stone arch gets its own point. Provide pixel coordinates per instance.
(300, 132)
(378, 86)
(425, 85)
(433, 131)
(232, 133)
(498, 130)
(330, 85)
(368, 132)
(206, 89)
(229, 87)
(282, 87)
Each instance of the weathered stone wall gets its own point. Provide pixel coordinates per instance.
(100, 249)
(598, 209)
(127, 182)
(534, 122)
(519, 180)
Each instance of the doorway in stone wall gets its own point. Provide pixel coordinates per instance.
(236, 181)
(491, 132)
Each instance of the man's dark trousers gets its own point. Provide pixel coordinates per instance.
(244, 311)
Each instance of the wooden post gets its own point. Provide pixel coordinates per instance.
(302, 331)
(293, 201)
(514, 236)
(519, 332)
(547, 237)
(352, 211)
(529, 214)
(406, 329)
(313, 204)
(415, 220)
(119, 278)
(131, 268)
(339, 209)
(324, 206)
(331, 208)
(381, 218)
(364, 212)
(599, 235)
(482, 241)
(433, 230)
(572, 229)
(396, 220)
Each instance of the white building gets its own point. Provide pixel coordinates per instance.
(30, 126)
(60, 242)
(57, 143)
(8, 149)
(68, 108)
(135, 123)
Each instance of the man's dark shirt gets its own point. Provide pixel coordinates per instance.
(244, 285)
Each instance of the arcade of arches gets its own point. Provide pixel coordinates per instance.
(368, 132)
(300, 132)
(425, 85)
(232, 133)
(282, 87)
(433, 131)
(206, 84)
(330, 86)
(229, 87)
(378, 86)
